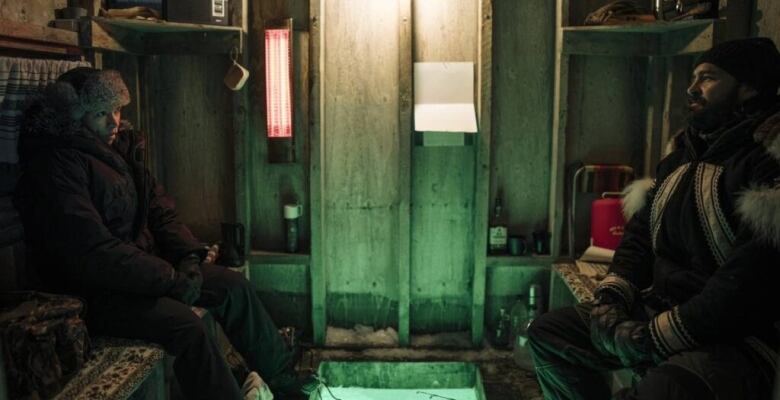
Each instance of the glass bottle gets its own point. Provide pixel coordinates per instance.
(497, 233)
(502, 330)
(517, 317)
(521, 353)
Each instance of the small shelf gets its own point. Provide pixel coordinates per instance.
(270, 257)
(651, 39)
(443, 139)
(37, 38)
(509, 260)
(158, 37)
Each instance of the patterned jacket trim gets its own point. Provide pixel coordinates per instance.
(662, 198)
(720, 236)
(616, 284)
(766, 353)
(669, 333)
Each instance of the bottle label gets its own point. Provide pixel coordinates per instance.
(497, 238)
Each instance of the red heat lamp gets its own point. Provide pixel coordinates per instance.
(279, 90)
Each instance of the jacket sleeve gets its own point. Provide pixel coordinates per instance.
(737, 297)
(74, 232)
(632, 264)
(173, 238)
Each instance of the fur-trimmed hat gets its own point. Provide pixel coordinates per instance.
(86, 89)
(752, 61)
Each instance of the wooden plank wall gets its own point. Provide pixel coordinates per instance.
(766, 19)
(360, 161)
(190, 114)
(443, 184)
(523, 61)
(38, 12)
(274, 185)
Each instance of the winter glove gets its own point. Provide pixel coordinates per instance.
(634, 346)
(187, 280)
(606, 314)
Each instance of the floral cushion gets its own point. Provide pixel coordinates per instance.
(117, 368)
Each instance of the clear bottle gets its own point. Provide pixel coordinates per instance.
(517, 317)
(521, 352)
(502, 330)
(497, 233)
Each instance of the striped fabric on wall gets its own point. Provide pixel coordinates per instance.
(19, 78)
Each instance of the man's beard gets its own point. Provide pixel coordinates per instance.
(712, 116)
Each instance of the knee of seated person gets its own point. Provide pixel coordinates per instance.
(235, 281)
(186, 329)
(669, 382)
(539, 329)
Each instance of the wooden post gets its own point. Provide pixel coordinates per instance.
(317, 108)
(405, 130)
(482, 169)
(558, 152)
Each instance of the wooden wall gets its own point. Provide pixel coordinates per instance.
(523, 61)
(360, 161)
(442, 203)
(766, 19)
(190, 119)
(275, 184)
(37, 12)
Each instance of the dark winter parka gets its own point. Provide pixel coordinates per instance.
(95, 220)
(704, 244)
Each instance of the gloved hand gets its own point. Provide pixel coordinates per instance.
(633, 344)
(607, 312)
(187, 280)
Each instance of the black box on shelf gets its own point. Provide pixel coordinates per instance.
(210, 12)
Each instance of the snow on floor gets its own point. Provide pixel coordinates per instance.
(354, 393)
(361, 336)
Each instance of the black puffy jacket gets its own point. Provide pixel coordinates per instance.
(706, 244)
(95, 220)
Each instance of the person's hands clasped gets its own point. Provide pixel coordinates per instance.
(633, 344)
(607, 313)
(187, 280)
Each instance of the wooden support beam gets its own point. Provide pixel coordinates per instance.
(482, 169)
(242, 142)
(405, 130)
(318, 261)
(558, 151)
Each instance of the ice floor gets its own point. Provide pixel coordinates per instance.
(353, 393)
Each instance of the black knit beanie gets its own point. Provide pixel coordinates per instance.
(752, 61)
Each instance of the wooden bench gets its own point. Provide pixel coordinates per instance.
(119, 369)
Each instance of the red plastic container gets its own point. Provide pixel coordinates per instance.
(606, 223)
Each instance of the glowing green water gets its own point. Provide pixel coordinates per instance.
(356, 393)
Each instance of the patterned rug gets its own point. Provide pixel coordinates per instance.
(117, 368)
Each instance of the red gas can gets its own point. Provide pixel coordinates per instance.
(606, 223)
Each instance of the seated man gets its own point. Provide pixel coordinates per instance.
(690, 301)
(99, 227)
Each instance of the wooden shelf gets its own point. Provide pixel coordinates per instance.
(36, 38)
(509, 260)
(270, 257)
(158, 37)
(653, 39)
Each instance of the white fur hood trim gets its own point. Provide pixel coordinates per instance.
(759, 208)
(635, 196)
